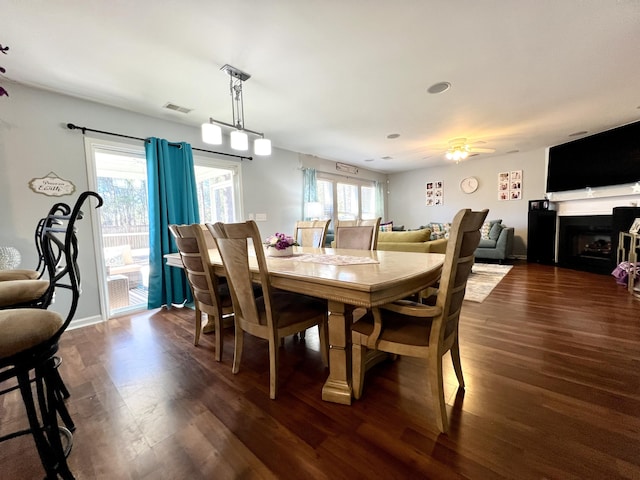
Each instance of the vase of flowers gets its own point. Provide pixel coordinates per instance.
(280, 245)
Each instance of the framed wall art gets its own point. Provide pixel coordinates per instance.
(510, 185)
(434, 193)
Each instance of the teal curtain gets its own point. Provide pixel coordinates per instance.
(379, 199)
(172, 200)
(309, 188)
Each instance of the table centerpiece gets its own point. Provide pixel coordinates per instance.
(280, 245)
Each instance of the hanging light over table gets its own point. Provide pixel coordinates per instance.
(239, 138)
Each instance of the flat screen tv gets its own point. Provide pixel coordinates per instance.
(607, 158)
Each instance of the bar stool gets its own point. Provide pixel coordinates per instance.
(29, 341)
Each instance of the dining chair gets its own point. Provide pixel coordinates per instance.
(274, 315)
(311, 233)
(210, 293)
(357, 234)
(28, 347)
(417, 330)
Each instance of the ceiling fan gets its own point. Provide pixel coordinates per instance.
(460, 149)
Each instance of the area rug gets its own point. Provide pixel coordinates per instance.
(483, 279)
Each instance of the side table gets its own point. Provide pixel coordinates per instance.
(118, 286)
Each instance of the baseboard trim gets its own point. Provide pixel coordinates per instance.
(85, 322)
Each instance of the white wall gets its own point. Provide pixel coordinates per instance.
(34, 141)
(406, 199)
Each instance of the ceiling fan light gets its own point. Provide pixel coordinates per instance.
(464, 154)
(449, 155)
(262, 146)
(211, 134)
(239, 140)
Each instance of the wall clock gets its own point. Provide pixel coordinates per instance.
(469, 184)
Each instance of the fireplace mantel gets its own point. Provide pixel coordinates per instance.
(600, 201)
(594, 205)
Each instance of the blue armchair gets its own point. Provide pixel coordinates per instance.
(497, 244)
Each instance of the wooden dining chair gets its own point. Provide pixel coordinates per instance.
(210, 293)
(357, 234)
(274, 315)
(311, 233)
(409, 328)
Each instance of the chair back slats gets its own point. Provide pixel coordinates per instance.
(209, 291)
(200, 275)
(463, 240)
(311, 233)
(357, 234)
(233, 241)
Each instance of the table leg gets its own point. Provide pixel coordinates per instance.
(337, 388)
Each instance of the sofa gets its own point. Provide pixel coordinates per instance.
(119, 261)
(411, 241)
(496, 241)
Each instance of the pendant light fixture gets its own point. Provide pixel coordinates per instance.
(239, 138)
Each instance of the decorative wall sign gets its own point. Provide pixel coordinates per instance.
(510, 185)
(52, 185)
(343, 167)
(434, 193)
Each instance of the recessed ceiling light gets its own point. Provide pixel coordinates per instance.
(439, 87)
(576, 134)
(393, 135)
(387, 158)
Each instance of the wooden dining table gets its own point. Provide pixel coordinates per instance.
(327, 273)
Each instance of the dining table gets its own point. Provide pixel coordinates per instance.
(347, 279)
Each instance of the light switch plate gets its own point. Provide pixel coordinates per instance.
(261, 217)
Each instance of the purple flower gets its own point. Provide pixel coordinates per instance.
(280, 241)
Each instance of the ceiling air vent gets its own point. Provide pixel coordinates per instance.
(177, 108)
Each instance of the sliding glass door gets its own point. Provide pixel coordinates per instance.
(117, 171)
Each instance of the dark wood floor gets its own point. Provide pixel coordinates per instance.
(551, 361)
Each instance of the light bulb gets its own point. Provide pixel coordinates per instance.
(239, 140)
(262, 146)
(211, 134)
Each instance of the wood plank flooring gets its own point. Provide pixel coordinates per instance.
(551, 361)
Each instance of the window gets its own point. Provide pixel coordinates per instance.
(217, 192)
(368, 201)
(346, 199)
(348, 204)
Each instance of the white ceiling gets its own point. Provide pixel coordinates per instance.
(333, 78)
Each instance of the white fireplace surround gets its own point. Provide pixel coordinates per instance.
(601, 200)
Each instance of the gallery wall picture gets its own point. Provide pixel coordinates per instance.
(434, 193)
(510, 185)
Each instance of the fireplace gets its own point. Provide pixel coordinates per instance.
(586, 243)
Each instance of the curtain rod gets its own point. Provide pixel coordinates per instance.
(71, 126)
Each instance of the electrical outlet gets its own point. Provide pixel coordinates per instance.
(261, 217)
(251, 216)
